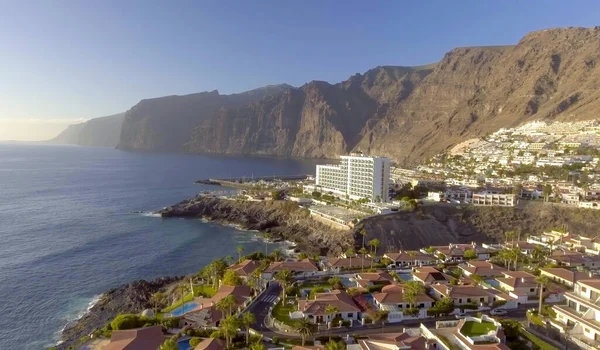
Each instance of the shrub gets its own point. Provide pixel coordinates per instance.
(498, 303)
(216, 334)
(413, 311)
(275, 340)
(375, 289)
(195, 341)
(171, 322)
(130, 321)
(345, 323)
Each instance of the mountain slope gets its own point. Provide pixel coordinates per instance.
(101, 132)
(407, 113)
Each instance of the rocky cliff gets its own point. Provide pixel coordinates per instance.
(100, 132)
(407, 113)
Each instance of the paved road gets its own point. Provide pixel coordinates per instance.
(260, 309)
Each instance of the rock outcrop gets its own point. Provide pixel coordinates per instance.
(278, 219)
(129, 298)
(407, 113)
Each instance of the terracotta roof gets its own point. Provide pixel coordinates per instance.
(519, 274)
(592, 283)
(460, 291)
(483, 268)
(394, 294)
(207, 310)
(245, 268)
(379, 276)
(337, 298)
(149, 338)
(306, 265)
(522, 244)
(211, 344)
(567, 275)
(393, 340)
(430, 274)
(413, 255)
(357, 261)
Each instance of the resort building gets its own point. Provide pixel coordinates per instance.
(301, 268)
(482, 268)
(356, 177)
(339, 264)
(472, 333)
(410, 258)
(581, 315)
(564, 276)
(205, 312)
(461, 295)
(429, 275)
(490, 199)
(410, 339)
(245, 268)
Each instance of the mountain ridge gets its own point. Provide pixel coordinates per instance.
(99, 132)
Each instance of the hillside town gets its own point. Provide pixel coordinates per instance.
(537, 292)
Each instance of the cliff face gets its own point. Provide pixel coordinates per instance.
(407, 113)
(101, 132)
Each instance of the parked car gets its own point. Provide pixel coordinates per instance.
(498, 312)
(460, 315)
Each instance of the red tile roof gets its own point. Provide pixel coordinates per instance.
(149, 338)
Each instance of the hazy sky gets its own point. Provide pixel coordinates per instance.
(62, 60)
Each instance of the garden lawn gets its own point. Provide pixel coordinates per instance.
(203, 290)
(282, 313)
(537, 341)
(474, 329)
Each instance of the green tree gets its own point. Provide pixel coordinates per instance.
(258, 346)
(284, 277)
(247, 320)
(229, 327)
(374, 243)
(240, 250)
(470, 254)
(336, 282)
(542, 281)
(182, 290)
(335, 345)
(349, 253)
(305, 328)
(363, 233)
(276, 255)
(231, 278)
(227, 304)
(195, 341)
(169, 344)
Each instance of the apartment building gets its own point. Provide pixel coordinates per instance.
(356, 177)
(581, 314)
(489, 199)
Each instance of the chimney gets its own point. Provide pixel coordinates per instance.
(212, 303)
(591, 274)
(523, 279)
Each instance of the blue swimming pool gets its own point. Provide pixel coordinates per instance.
(405, 276)
(184, 344)
(187, 307)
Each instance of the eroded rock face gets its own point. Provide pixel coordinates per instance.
(133, 297)
(407, 113)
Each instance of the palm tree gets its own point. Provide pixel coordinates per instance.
(158, 298)
(381, 316)
(258, 346)
(227, 304)
(363, 233)
(305, 328)
(411, 290)
(330, 310)
(276, 255)
(336, 282)
(374, 243)
(229, 327)
(349, 254)
(542, 281)
(182, 289)
(169, 344)
(363, 251)
(239, 249)
(247, 320)
(284, 277)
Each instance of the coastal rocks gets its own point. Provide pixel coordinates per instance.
(279, 219)
(129, 298)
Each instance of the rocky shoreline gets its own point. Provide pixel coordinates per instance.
(279, 220)
(133, 297)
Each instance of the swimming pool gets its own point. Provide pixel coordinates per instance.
(184, 344)
(187, 307)
(405, 276)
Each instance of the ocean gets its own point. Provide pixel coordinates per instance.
(71, 228)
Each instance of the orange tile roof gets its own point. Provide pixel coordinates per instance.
(149, 338)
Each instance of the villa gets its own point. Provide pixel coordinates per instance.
(430, 275)
(410, 258)
(574, 259)
(520, 285)
(410, 339)
(339, 264)
(366, 279)
(581, 314)
(482, 268)
(206, 312)
(305, 267)
(565, 276)
(462, 295)
(392, 299)
(245, 268)
(473, 333)
(315, 310)
(148, 338)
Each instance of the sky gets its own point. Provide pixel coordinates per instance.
(66, 61)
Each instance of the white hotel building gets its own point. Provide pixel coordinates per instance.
(356, 177)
